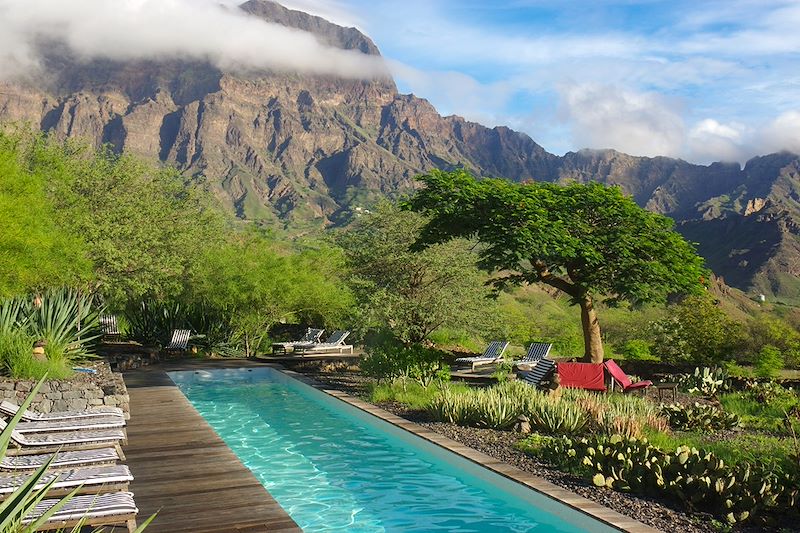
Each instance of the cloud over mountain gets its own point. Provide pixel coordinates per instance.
(163, 29)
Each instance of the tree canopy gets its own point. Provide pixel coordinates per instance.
(587, 240)
(34, 251)
(410, 293)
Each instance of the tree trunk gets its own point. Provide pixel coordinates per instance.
(592, 342)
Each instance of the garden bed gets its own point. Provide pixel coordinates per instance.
(664, 514)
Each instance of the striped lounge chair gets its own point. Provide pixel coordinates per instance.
(179, 341)
(68, 459)
(536, 352)
(11, 409)
(492, 354)
(106, 509)
(311, 337)
(30, 443)
(542, 369)
(114, 478)
(334, 343)
(109, 327)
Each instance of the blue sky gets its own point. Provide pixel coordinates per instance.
(702, 80)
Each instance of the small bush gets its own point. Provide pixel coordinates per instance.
(390, 360)
(637, 350)
(769, 362)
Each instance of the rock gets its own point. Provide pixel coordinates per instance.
(523, 424)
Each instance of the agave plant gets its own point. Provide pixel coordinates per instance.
(12, 315)
(151, 322)
(68, 321)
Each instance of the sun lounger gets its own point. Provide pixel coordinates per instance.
(311, 337)
(334, 343)
(91, 510)
(73, 424)
(588, 376)
(619, 375)
(109, 327)
(541, 370)
(28, 443)
(113, 478)
(536, 352)
(11, 409)
(69, 459)
(179, 341)
(492, 354)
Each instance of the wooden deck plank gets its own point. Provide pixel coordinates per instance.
(185, 472)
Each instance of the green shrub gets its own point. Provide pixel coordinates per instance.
(699, 417)
(637, 350)
(388, 359)
(769, 362)
(698, 478)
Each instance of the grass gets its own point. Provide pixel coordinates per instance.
(409, 393)
(745, 447)
(764, 414)
(16, 357)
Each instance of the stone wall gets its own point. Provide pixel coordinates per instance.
(81, 391)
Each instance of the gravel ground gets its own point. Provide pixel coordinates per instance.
(663, 515)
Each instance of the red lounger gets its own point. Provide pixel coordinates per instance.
(622, 378)
(588, 376)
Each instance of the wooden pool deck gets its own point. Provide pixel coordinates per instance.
(183, 470)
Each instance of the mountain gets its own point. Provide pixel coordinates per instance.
(304, 150)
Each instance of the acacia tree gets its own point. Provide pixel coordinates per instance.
(410, 293)
(587, 240)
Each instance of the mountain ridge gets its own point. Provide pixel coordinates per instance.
(304, 150)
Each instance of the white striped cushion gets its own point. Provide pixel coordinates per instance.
(91, 505)
(98, 475)
(63, 459)
(76, 424)
(102, 411)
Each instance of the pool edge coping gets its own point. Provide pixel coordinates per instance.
(564, 496)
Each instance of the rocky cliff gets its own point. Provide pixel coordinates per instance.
(303, 150)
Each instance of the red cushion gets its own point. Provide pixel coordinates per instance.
(639, 385)
(582, 376)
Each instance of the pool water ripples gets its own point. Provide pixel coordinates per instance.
(335, 468)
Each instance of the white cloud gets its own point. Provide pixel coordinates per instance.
(154, 29)
(638, 123)
(709, 140)
(330, 10)
(783, 133)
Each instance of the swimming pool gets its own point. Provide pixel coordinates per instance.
(333, 467)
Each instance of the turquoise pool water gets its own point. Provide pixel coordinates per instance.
(333, 467)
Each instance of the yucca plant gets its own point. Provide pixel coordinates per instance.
(152, 322)
(68, 321)
(12, 315)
